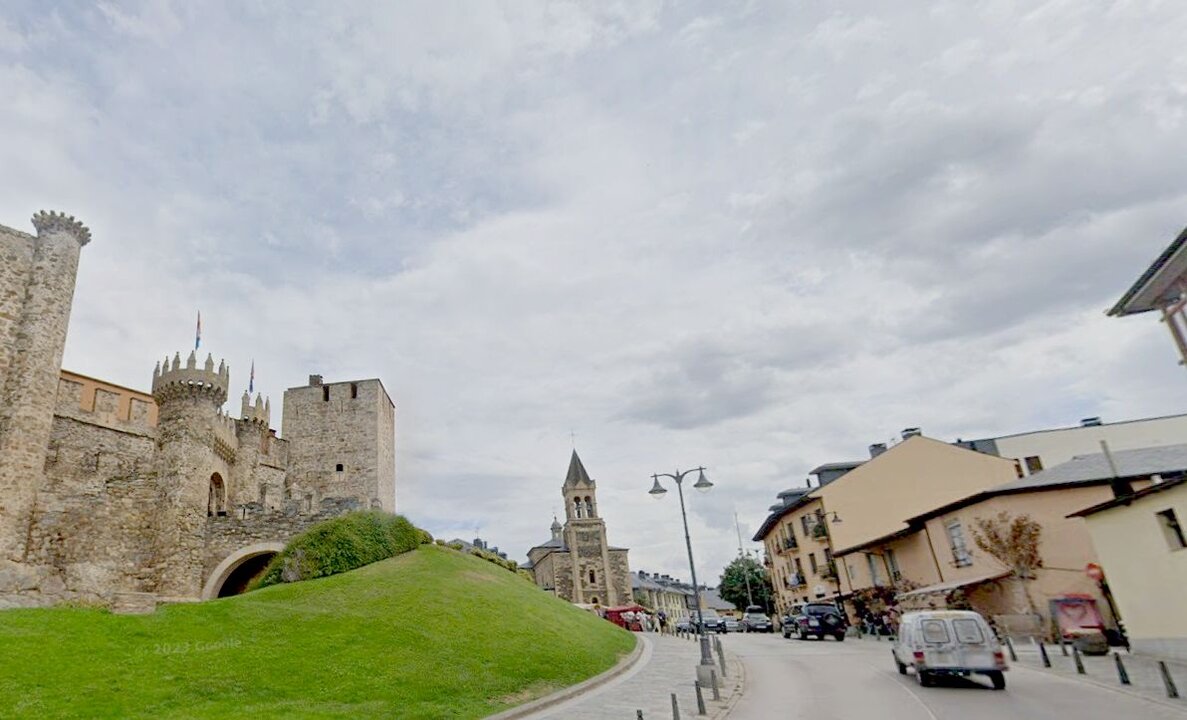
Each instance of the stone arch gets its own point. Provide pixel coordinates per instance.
(216, 502)
(241, 559)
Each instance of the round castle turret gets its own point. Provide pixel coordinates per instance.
(172, 382)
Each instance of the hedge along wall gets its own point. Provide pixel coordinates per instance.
(344, 543)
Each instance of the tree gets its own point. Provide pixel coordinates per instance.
(1013, 540)
(733, 583)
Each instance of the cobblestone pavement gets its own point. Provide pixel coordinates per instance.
(668, 666)
(1144, 674)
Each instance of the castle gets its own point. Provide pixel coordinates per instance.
(115, 496)
(577, 563)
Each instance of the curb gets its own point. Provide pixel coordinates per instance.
(737, 696)
(572, 691)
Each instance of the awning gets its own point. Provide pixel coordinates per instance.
(947, 587)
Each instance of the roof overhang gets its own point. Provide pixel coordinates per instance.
(947, 587)
(1160, 285)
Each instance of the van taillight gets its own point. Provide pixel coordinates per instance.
(918, 656)
(999, 658)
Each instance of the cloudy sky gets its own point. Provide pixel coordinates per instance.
(753, 236)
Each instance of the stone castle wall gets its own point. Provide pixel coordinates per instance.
(108, 492)
(348, 425)
(37, 277)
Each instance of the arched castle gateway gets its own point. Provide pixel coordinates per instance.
(114, 495)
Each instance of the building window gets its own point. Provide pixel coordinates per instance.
(806, 524)
(592, 577)
(812, 562)
(1033, 464)
(325, 393)
(961, 556)
(892, 565)
(354, 391)
(873, 567)
(338, 467)
(799, 569)
(595, 599)
(1171, 529)
(216, 500)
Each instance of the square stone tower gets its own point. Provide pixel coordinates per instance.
(341, 442)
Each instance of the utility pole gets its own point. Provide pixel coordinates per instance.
(745, 565)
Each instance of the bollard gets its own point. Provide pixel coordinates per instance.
(1010, 647)
(721, 660)
(1062, 645)
(675, 708)
(1121, 674)
(716, 689)
(700, 700)
(1171, 690)
(1079, 662)
(1043, 653)
(638, 715)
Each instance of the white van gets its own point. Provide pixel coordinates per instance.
(948, 642)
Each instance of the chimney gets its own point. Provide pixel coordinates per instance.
(911, 432)
(1090, 422)
(314, 380)
(877, 449)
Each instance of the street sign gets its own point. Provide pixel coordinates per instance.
(1094, 571)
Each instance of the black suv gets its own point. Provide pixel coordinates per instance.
(818, 619)
(712, 622)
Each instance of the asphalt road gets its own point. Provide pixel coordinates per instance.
(823, 680)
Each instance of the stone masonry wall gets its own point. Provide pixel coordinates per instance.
(35, 297)
(339, 424)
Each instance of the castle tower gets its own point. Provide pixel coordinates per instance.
(196, 446)
(341, 443)
(260, 466)
(37, 276)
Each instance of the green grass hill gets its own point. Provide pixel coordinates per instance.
(429, 634)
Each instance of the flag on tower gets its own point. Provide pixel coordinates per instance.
(198, 332)
(251, 381)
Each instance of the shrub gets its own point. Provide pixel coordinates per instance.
(343, 543)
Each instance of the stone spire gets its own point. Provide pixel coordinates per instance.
(577, 475)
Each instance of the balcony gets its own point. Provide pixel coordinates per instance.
(828, 571)
(820, 531)
(795, 580)
(788, 544)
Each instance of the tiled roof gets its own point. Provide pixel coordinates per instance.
(1141, 462)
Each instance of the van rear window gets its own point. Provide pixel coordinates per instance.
(934, 631)
(968, 631)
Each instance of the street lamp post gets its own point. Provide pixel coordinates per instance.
(657, 491)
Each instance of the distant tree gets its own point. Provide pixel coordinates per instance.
(732, 587)
(1013, 540)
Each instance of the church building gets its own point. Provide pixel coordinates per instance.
(577, 563)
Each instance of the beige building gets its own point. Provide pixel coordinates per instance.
(1140, 540)
(1035, 450)
(662, 592)
(1162, 287)
(577, 563)
(798, 550)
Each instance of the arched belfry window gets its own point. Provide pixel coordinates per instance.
(577, 508)
(593, 578)
(216, 502)
(589, 512)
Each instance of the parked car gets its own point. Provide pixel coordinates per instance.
(817, 620)
(709, 618)
(948, 642)
(729, 624)
(684, 625)
(755, 620)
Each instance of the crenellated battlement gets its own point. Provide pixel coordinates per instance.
(260, 412)
(53, 221)
(171, 381)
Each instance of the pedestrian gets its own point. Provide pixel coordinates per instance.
(662, 619)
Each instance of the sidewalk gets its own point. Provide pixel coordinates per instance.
(668, 666)
(1143, 671)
